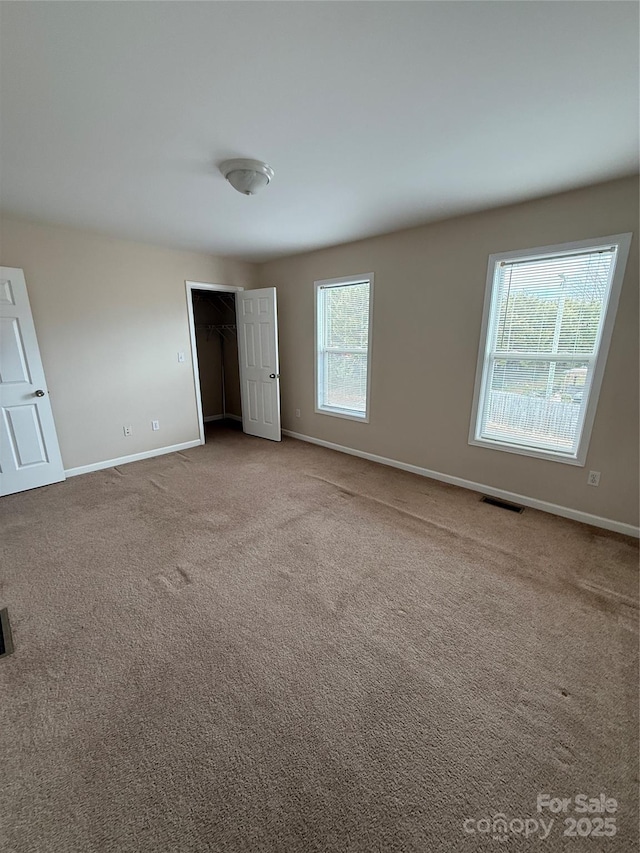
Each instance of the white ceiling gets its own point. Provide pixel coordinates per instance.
(374, 115)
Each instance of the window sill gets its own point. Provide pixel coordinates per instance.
(347, 414)
(523, 450)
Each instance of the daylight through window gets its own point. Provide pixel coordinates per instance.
(542, 351)
(343, 309)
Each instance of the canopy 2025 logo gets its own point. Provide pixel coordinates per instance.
(586, 817)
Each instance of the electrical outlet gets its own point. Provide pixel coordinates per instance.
(594, 478)
(126, 430)
(180, 357)
(155, 425)
(297, 413)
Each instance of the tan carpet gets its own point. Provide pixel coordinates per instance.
(261, 647)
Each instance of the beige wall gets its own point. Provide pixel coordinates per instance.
(429, 291)
(111, 317)
(210, 370)
(233, 405)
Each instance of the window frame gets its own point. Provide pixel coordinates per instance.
(319, 407)
(623, 242)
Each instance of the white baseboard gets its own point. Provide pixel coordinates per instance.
(534, 503)
(134, 457)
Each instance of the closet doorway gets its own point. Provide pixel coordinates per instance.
(214, 343)
(234, 348)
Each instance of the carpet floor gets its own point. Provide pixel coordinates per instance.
(265, 647)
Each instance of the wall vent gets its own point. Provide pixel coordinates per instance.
(502, 504)
(6, 641)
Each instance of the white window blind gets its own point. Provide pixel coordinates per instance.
(542, 348)
(343, 332)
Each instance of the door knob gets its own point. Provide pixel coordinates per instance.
(274, 376)
(39, 393)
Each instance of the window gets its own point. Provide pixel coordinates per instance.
(547, 324)
(343, 344)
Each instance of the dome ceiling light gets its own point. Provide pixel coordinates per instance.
(247, 176)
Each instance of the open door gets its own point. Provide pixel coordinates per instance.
(29, 451)
(257, 325)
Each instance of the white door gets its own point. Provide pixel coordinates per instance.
(29, 452)
(257, 324)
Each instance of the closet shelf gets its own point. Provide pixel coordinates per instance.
(224, 329)
(218, 326)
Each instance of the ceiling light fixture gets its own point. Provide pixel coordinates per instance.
(247, 176)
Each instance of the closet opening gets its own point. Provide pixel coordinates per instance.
(236, 366)
(216, 366)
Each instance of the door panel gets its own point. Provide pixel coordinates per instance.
(29, 452)
(13, 362)
(259, 366)
(267, 407)
(252, 392)
(250, 351)
(265, 346)
(26, 440)
(6, 293)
